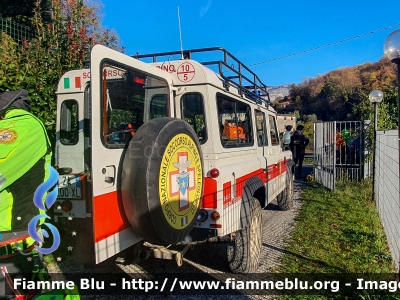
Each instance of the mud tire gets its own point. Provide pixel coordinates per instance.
(140, 180)
(245, 252)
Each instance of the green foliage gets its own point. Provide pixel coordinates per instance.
(277, 105)
(310, 118)
(61, 45)
(199, 124)
(387, 110)
(297, 114)
(118, 116)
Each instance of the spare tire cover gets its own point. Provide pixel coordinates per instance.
(162, 180)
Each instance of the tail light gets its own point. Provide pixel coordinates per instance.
(66, 205)
(215, 215)
(213, 173)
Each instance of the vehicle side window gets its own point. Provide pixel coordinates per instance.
(193, 112)
(234, 119)
(273, 131)
(261, 129)
(129, 99)
(69, 123)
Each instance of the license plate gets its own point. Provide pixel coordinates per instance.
(69, 186)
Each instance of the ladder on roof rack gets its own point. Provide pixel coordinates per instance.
(252, 88)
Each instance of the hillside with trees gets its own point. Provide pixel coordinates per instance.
(342, 95)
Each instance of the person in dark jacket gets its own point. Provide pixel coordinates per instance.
(298, 144)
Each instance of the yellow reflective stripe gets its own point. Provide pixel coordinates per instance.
(29, 242)
(9, 154)
(6, 205)
(46, 176)
(9, 212)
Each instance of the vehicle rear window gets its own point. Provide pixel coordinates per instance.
(69, 122)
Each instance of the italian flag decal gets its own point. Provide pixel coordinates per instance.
(76, 82)
(184, 221)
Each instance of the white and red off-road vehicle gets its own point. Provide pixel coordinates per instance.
(172, 152)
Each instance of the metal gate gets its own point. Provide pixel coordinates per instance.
(339, 152)
(324, 154)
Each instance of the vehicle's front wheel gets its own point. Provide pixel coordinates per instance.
(244, 255)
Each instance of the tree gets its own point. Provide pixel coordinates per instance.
(297, 114)
(278, 106)
(310, 118)
(61, 45)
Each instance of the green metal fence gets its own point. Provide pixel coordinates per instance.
(16, 31)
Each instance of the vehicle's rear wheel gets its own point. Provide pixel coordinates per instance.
(244, 255)
(285, 198)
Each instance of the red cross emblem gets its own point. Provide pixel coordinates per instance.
(182, 180)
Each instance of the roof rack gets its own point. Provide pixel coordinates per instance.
(245, 80)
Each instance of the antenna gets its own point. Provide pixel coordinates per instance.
(180, 32)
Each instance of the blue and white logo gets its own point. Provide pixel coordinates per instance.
(50, 199)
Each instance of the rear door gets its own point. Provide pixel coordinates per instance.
(262, 144)
(69, 154)
(276, 165)
(125, 94)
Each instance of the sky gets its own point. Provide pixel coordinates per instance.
(256, 31)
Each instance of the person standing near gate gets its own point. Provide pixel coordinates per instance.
(298, 144)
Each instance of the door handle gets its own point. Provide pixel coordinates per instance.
(109, 179)
(109, 176)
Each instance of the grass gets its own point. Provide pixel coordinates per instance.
(338, 233)
(308, 161)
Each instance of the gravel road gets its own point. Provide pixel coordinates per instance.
(207, 259)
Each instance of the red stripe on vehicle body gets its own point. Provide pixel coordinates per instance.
(209, 193)
(241, 181)
(227, 194)
(108, 215)
(272, 172)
